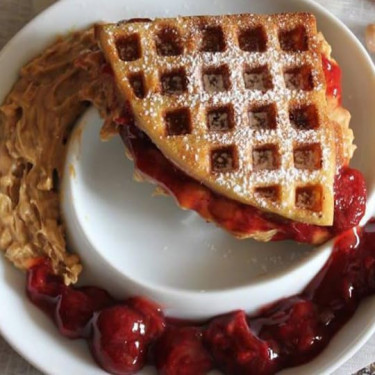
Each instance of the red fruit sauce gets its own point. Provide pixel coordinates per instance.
(238, 218)
(350, 197)
(181, 348)
(126, 335)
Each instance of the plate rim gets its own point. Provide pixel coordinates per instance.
(361, 339)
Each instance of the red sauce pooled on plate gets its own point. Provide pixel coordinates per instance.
(126, 335)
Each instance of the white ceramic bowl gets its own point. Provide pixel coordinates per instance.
(133, 243)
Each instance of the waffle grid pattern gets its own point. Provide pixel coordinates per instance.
(237, 102)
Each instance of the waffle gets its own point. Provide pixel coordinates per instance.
(236, 102)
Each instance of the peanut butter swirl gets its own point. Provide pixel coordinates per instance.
(36, 119)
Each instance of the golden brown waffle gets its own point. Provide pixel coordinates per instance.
(237, 102)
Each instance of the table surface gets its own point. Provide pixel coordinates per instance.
(354, 13)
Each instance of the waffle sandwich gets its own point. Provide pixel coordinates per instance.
(237, 103)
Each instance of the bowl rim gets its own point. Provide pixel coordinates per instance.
(13, 42)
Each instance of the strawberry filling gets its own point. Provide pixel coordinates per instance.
(236, 217)
(240, 219)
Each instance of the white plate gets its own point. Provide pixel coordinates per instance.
(147, 245)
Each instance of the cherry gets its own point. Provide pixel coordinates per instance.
(235, 349)
(152, 315)
(76, 307)
(350, 199)
(43, 287)
(180, 352)
(295, 327)
(119, 342)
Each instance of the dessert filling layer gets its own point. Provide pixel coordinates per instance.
(244, 220)
(240, 219)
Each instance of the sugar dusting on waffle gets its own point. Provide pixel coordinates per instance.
(237, 102)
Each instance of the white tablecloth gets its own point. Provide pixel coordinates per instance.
(15, 13)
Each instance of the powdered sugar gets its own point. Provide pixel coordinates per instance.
(240, 68)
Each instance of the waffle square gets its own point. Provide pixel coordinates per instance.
(237, 102)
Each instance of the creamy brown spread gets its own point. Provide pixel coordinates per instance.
(36, 119)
